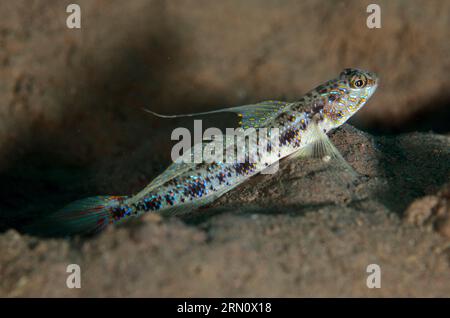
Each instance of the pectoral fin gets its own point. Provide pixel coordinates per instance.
(321, 147)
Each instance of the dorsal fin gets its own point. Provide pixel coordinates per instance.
(187, 162)
(254, 115)
(258, 115)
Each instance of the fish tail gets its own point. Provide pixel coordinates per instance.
(85, 217)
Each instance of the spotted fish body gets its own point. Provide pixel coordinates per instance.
(184, 186)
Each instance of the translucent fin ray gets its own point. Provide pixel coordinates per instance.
(254, 115)
(84, 217)
(321, 147)
(186, 162)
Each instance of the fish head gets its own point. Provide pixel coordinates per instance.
(345, 95)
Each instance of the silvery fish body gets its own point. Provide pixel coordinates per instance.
(290, 129)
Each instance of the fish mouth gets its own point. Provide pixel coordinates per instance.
(373, 82)
(375, 78)
(374, 88)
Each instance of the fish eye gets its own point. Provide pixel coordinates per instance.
(358, 82)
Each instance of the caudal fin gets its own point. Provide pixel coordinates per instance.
(84, 217)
